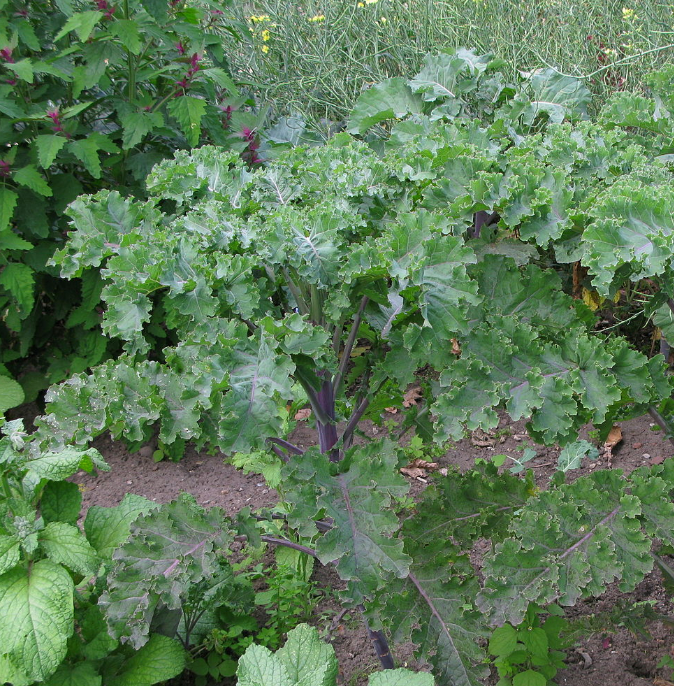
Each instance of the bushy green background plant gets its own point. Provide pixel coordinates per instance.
(315, 58)
(92, 95)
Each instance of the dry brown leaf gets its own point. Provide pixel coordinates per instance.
(615, 436)
(413, 472)
(482, 439)
(422, 464)
(300, 415)
(411, 396)
(659, 681)
(391, 410)
(456, 348)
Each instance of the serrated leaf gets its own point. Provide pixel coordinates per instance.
(61, 502)
(23, 69)
(129, 34)
(48, 147)
(10, 547)
(304, 660)
(18, 279)
(11, 241)
(59, 466)
(566, 544)
(400, 677)
(79, 674)
(169, 550)
(108, 527)
(189, 112)
(65, 544)
(36, 617)
(31, 178)
(137, 125)
(82, 24)
(11, 394)
(503, 641)
(361, 541)
(7, 204)
(161, 658)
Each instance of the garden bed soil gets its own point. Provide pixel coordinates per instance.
(615, 659)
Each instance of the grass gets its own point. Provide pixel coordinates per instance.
(315, 57)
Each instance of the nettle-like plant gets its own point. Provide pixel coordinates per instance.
(92, 95)
(444, 245)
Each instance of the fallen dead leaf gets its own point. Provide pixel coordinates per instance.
(615, 436)
(657, 459)
(422, 464)
(456, 348)
(301, 415)
(659, 681)
(482, 439)
(411, 396)
(413, 472)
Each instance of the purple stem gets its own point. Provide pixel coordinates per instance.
(286, 445)
(380, 644)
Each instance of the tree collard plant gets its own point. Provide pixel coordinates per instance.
(442, 244)
(92, 95)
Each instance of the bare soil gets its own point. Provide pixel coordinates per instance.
(615, 659)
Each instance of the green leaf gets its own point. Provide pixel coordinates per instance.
(572, 455)
(36, 617)
(390, 99)
(9, 552)
(361, 541)
(59, 466)
(79, 674)
(31, 178)
(156, 9)
(160, 659)
(529, 678)
(503, 641)
(61, 502)
(48, 147)
(129, 34)
(304, 660)
(137, 125)
(188, 111)
(567, 543)
(11, 394)
(108, 527)
(169, 550)
(7, 204)
(17, 278)
(447, 76)
(65, 544)
(23, 69)
(400, 677)
(82, 24)
(10, 241)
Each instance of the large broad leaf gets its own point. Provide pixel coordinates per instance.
(304, 660)
(400, 677)
(61, 465)
(571, 542)
(169, 551)
(11, 394)
(108, 527)
(390, 99)
(250, 412)
(65, 544)
(160, 659)
(361, 541)
(36, 617)
(631, 234)
(448, 76)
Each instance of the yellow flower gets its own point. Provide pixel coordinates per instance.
(371, 2)
(383, 20)
(317, 17)
(361, 4)
(629, 14)
(259, 18)
(265, 34)
(265, 49)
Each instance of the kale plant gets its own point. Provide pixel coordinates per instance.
(443, 243)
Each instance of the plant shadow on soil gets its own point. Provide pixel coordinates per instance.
(616, 659)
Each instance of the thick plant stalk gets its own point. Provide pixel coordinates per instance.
(661, 422)
(380, 644)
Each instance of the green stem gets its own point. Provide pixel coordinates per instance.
(130, 60)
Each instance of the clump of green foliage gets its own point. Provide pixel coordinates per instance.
(92, 96)
(438, 228)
